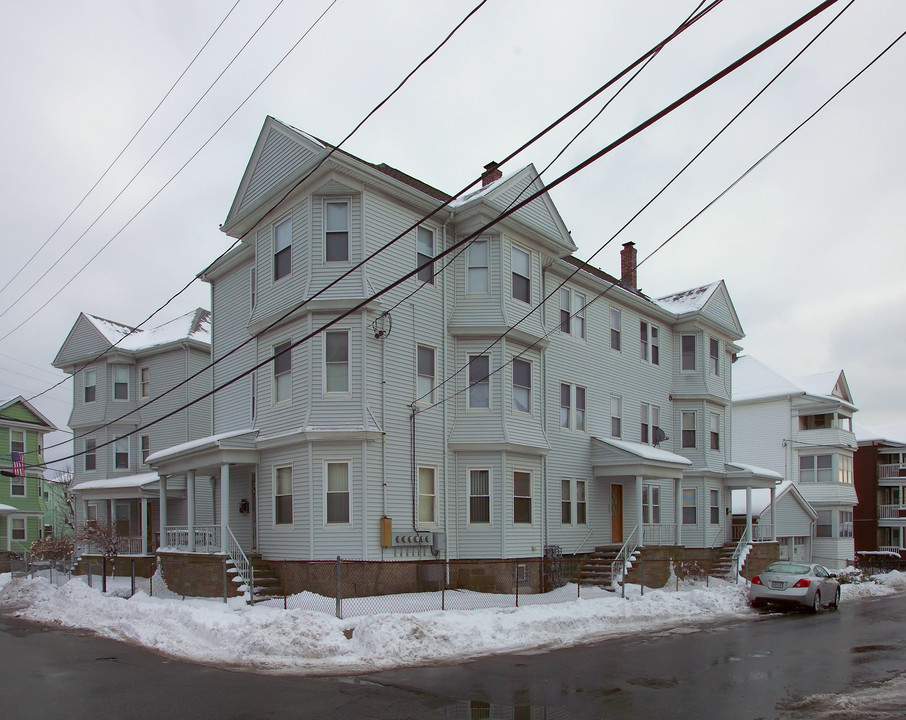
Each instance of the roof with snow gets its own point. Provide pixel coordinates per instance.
(883, 435)
(194, 325)
(122, 483)
(688, 300)
(753, 380)
(646, 452)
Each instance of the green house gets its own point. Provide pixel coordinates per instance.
(22, 505)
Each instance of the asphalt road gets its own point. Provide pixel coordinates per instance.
(740, 669)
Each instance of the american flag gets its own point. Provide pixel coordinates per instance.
(19, 464)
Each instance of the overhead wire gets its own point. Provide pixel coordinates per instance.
(121, 152)
(562, 178)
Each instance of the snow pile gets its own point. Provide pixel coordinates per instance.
(304, 641)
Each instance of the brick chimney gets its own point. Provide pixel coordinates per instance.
(491, 173)
(628, 265)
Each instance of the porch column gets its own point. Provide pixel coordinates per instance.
(678, 510)
(190, 497)
(163, 511)
(638, 507)
(144, 525)
(749, 512)
(773, 516)
(224, 505)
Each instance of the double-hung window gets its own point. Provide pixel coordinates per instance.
(572, 312)
(424, 252)
(580, 502)
(90, 378)
(146, 447)
(478, 269)
(824, 527)
(845, 524)
(688, 419)
(336, 231)
(655, 346)
(426, 372)
(283, 372)
(816, 468)
(427, 495)
(17, 529)
(522, 386)
(338, 494)
(649, 343)
(336, 361)
(521, 262)
(643, 340)
(616, 328)
(651, 504)
(714, 355)
(91, 454)
(283, 496)
(645, 414)
(846, 469)
(690, 506)
(572, 406)
(144, 383)
(715, 507)
(17, 441)
(283, 248)
(253, 288)
(121, 453)
(522, 497)
(479, 382)
(616, 416)
(566, 502)
(687, 353)
(715, 431)
(479, 497)
(120, 382)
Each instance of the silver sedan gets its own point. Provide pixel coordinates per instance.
(792, 583)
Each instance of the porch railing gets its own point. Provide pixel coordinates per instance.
(659, 534)
(891, 512)
(241, 562)
(623, 558)
(207, 537)
(890, 548)
(124, 546)
(762, 532)
(892, 471)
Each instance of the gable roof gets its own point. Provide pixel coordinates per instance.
(827, 384)
(753, 380)
(711, 302)
(39, 419)
(894, 435)
(761, 500)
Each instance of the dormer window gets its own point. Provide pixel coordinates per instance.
(336, 235)
(283, 248)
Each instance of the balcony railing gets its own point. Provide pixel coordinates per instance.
(890, 548)
(891, 512)
(659, 534)
(207, 537)
(896, 470)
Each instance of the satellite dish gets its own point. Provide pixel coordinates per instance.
(659, 436)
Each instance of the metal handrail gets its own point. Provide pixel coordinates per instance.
(740, 547)
(587, 535)
(241, 562)
(623, 556)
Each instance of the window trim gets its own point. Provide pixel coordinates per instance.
(714, 432)
(144, 382)
(421, 378)
(16, 482)
(91, 452)
(275, 479)
(115, 382)
(692, 507)
(347, 362)
(432, 495)
(472, 496)
(426, 274)
(470, 385)
(687, 355)
(714, 507)
(566, 501)
(145, 443)
(13, 519)
(347, 202)
(118, 443)
(616, 329)
(523, 389)
(651, 504)
(529, 497)
(616, 417)
(470, 249)
(694, 430)
(514, 250)
(574, 412)
(94, 385)
(284, 251)
(714, 356)
(279, 350)
(347, 462)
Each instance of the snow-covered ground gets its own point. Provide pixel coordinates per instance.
(316, 643)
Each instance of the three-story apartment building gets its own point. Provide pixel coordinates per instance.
(123, 379)
(506, 398)
(880, 480)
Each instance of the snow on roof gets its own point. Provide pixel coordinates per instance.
(889, 434)
(753, 380)
(484, 190)
(194, 444)
(648, 452)
(6, 509)
(755, 470)
(132, 481)
(820, 383)
(194, 325)
(688, 300)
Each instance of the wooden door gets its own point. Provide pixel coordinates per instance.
(616, 513)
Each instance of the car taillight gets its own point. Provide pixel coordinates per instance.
(802, 583)
(757, 581)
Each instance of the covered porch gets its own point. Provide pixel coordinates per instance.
(746, 478)
(645, 482)
(230, 461)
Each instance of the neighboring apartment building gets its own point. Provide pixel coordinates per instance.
(121, 376)
(880, 479)
(802, 429)
(408, 428)
(22, 506)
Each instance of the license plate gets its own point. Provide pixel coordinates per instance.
(775, 585)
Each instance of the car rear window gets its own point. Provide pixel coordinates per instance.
(788, 569)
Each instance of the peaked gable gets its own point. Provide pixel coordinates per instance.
(18, 409)
(85, 341)
(280, 152)
(709, 301)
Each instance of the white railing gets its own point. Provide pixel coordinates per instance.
(124, 546)
(892, 512)
(207, 537)
(741, 550)
(241, 563)
(890, 548)
(892, 471)
(659, 534)
(762, 532)
(623, 558)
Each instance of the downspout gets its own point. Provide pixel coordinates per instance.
(185, 346)
(414, 411)
(444, 409)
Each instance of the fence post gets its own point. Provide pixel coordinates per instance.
(516, 570)
(104, 578)
(338, 593)
(133, 577)
(88, 563)
(284, 585)
(223, 566)
(623, 581)
(642, 574)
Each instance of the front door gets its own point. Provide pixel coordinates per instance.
(616, 513)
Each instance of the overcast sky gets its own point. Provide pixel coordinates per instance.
(810, 244)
